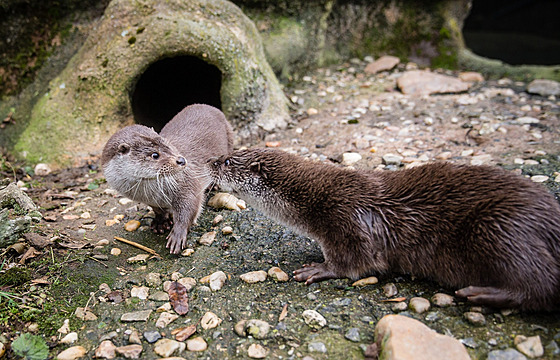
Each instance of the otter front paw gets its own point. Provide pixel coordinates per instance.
(162, 222)
(176, 241)
(313, 273)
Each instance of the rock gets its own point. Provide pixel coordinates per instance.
(227, 230)
(42, 169)
(207, 238)
(106, 350)
(159, 296)
(136, 316)
(141, 292)
(11, 228)
(152, 336)
(526, 120)
(140, 258)
(443, 300)
(422, 82)
(256, 351)
(350, 158)
(317, 347)
(65, 328)
(475, 318)
(353, 334)
(539, 178)
(125, 201)
(197, 344)
(239, 328)
(399, 306)
(217, 280)
(401, 337)
(132, 225)
(85, 314)
(75, 352)
(153, 279)
(218, 219)
(544, 87)
(366, 281)
(419, 305)
(187, 252)
(392, 159)
(258, 329)
(254, 276)
(134, 337)
(116, 251)
(481, 159)
(390, 290)
(187, 282)
(166, 347)
(278, 274)
(471, 76)
(210, 320)
(224, 200)
(507, 354)
(530, 346)
(130, 351)
(312, 111)
(165, 318)
(314, 319)
(384, 63)
(70, 338)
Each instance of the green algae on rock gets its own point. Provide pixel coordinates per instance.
(91, 98)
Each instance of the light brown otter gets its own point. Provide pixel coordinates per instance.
(169, 171)
(488, 232)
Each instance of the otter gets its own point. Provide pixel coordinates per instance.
(491, 234)
(168, 171)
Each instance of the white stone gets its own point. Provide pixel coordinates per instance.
(210, 320)
(254, 276)
(70, 338)
(217, 280)
(350, 158)
(539, 178)
(530, 346)
(419, 304)
(166, 347)
(207, 238)
(314, 319)
(75, 352)
(165, 318)
(197, 344)
(257, 351)
(106, 350)
(42, 169)
(141, 292)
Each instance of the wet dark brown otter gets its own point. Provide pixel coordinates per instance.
(169, 171)
(488, 232)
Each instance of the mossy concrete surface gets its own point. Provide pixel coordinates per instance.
(90, 98)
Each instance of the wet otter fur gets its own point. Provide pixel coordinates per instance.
(168, 171)
(491, 234)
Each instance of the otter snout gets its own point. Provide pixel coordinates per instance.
(181, 161)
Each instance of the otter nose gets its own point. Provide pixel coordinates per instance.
(181, 161)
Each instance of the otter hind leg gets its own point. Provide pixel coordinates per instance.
(162, 222)
(490, 296)
(314, 272)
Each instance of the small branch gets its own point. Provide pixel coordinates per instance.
(139, 246)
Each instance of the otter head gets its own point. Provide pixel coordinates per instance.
(137, 154)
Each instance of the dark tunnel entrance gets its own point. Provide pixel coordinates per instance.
(516, 32)
(170, 84)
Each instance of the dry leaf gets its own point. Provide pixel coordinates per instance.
(41, 281)
(115, 296)
(184, 333)
(178, 298)
(399, 299)
(284, 313)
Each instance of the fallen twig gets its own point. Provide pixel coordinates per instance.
(139, 246)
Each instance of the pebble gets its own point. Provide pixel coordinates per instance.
(136, 316)
(475, 318)
(188, 282)
(392, 159)
(314, 319)
(217, 280)
(384, 63)
(481, 159)
(159, 296)
(166, 347)
(312, 111)
(256, 351)
(544, 87)
(539, 178)
(366, 281)
(85, 215)
(423, 82)
(390, 290)
(527, 120)
(317, 347)
(106, 350)
(75, 352)
(443, 300)
(401, 337)
(471, 76)
(350, 158)
(507, 354)
(239, 328)
(141, 292)
(165, 318)
(210, 320)
(116, 251)
(42, 169)
(467, 152)
(65, 328)
(529, 346)
(153, 279)
(399, 306)
(140, 258)
(134, 337)
(254, 276)
(207, 238)
(227, 230)
(256, 328)
(70, 338)
(132, 225)
(152, 336)
(130, 351)
(197, 344)
(419, 305)
(353, 334)
(187, 252)
(225, 200)
(218, 219)
(278, 274)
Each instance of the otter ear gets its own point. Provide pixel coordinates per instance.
(257, 168)
(123, 148)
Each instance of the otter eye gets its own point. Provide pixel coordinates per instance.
(227, 162)
(155, 156)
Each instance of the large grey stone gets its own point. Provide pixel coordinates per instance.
(423, 82)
